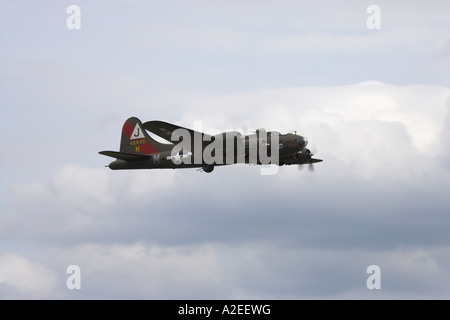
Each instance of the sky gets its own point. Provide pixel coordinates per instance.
(374, 103)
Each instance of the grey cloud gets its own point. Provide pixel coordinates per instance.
(445, 137)
(255, 270)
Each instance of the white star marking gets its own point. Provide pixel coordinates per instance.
(176, 158)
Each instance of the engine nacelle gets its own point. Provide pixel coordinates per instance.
(304, 155)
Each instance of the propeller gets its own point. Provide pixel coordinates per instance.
(309, 153)
(302, 166)
(313, 148)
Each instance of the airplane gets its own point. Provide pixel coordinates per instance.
(138, 150)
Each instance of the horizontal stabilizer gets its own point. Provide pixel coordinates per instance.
(170, 131)
(125, 156)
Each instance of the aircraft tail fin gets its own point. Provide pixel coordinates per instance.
(135, 140)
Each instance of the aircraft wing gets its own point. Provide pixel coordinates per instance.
(168, 132)
(125, 156)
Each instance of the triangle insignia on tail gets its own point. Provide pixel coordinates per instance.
(137, 133)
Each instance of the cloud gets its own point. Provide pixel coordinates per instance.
(368, 134)
(23, 279)
(285, 27)
(253, 270)
(445, 137)
(417, 110)
(77, 201)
